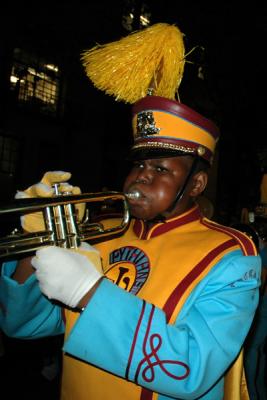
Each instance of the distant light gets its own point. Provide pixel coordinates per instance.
(144, 20)
(13, 79)
(51, 67)
(32, 71)
(129, 15)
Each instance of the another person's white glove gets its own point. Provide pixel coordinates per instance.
(34, 222)
(66, 275)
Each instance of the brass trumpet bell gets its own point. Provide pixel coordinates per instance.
(62, 227)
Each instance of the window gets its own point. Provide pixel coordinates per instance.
(35, 83)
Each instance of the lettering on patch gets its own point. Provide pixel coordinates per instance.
(129, 268)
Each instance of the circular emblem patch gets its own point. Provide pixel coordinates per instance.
(129, 268)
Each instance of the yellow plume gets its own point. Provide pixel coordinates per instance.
(127, 68)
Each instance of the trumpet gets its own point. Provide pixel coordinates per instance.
(62, 227)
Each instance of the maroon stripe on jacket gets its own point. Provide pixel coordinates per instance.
(247, 246)
(134, 340)
(180, 289)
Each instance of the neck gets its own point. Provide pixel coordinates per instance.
(181, 209)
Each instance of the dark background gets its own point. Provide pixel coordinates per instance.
(91, 132)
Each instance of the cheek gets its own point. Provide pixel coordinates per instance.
(162, 194)
(130, 178)
(167, 185)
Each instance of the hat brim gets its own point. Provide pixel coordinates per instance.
(150, 153)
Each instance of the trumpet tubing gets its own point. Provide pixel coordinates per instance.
(62, 227)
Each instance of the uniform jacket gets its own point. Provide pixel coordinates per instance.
(168, 321)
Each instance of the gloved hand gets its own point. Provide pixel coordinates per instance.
(34, 222)
(66, 275)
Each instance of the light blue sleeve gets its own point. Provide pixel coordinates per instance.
(24, 312)
(129, 337)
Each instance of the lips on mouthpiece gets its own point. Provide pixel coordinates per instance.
(133, 194)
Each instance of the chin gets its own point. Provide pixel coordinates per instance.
(143, 216)
(138, 213)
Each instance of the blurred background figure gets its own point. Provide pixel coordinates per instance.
(255, 348)
(206, 206)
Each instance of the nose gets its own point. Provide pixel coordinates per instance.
(144, 176)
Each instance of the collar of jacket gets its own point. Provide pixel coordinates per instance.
(160, 228)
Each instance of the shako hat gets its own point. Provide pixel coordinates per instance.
(145, 69)
(164, 127)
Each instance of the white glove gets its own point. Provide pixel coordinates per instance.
(65, 275)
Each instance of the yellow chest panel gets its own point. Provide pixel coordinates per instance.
(163, 270)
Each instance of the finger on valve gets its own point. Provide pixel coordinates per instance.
(34, 222)
(44, 188)
(57, 181)
(52, 177)
(37, 190)
(61, 177)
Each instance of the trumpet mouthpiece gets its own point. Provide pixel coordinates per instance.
(134, 194)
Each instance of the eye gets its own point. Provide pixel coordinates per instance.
(160, 168)
(138, 165)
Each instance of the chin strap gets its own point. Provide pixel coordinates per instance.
(187, 180)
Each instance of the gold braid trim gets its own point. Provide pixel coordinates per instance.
(168, 146)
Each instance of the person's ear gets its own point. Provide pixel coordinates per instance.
(199, 183)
